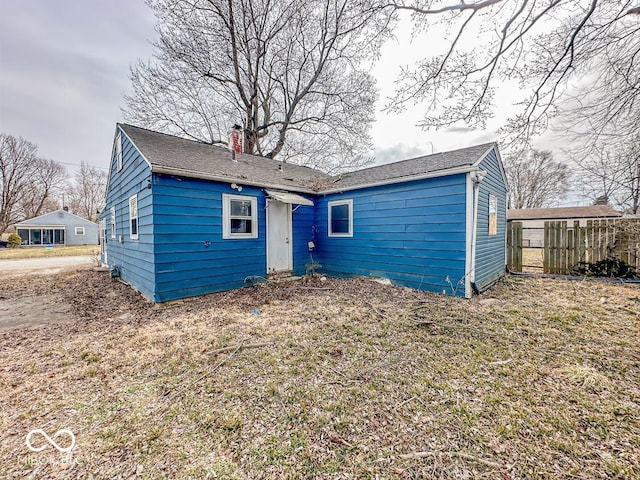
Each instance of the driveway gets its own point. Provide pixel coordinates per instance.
(36, 306)
(48, 265)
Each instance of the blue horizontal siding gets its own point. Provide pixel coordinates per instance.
(134, 258)
(303, 221)
(490, 249)
(412, 233)
(191, 256)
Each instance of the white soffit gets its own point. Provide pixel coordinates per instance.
(288, 197)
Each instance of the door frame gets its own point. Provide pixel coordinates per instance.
(103, 241)
(290, 236)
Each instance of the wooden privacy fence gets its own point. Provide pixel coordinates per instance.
(514, 246)
(565, 247)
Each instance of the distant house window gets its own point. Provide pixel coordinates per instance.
(119, 151)
(133, 217)
(79, 230)
(341, 218)
(493, 215)
(113, 222)
(239, 216)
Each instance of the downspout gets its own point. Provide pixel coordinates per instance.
(476, 177)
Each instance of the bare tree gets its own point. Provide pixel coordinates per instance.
(294, 74)
(42, 193)
(576, 58)
(536, 180)
(27, 181)
(87, 191)
(613, 173)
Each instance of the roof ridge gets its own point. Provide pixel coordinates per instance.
(421, 157)
(198, 142)
(219, 147)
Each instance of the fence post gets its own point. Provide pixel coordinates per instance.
(571, 249)
(546, 252)
(580, 236)
(562, 248)
(514, 246)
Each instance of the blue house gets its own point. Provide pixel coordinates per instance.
(184, 218)
(58, 228)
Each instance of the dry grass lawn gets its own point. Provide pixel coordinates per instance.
(532, 260)
(331, 380)
(57, 251)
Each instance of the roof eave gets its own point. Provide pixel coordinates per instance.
(566, 217)
(411, 178)
(503, 172)
(217, 178)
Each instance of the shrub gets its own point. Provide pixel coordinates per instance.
(15, 240)
(608, 267)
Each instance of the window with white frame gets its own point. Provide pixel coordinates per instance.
(112, 211)
(493, 215)
(239, 216)
(79, 230)
(119, 151)
(341, 218)
(133, 217)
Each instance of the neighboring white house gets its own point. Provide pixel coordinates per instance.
(533, 219)
(58, 228)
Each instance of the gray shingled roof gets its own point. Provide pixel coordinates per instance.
(561, 213)
(58, 217)
(170, 154)
(200, 160)
(406, 169)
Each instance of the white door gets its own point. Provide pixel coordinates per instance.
(278, 236)
(103, 240)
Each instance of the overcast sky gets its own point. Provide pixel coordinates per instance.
(64, 68)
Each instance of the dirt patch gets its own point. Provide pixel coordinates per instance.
(33, 311)
(31, 300)
(334, 379)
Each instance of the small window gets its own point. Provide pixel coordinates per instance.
(79, 230)
(341, 218)
(239, 216)
(133, 217)
(113, 222)
(119, 151)
(493, 215)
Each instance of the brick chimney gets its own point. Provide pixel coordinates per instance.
(235, 140)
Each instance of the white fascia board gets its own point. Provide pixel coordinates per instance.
(468, 264)
(500, 164)
(120, 131)
(35, 225)
(240, 181)
(439, 173)
(113, 146)
(136, 147)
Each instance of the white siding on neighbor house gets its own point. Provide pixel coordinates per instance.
(69, 221)
(533, 230)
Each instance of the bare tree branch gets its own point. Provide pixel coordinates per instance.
(27, 182)
(536, 180)
(268, 65)
(558, 50)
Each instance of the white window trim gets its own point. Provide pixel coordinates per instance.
(226, 216)
(119, 152)
(112, 211)
(134, 198)
(332, 203)
(78, 229)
